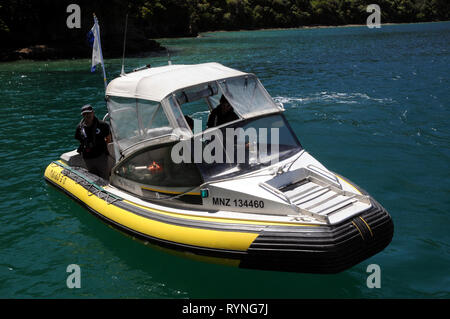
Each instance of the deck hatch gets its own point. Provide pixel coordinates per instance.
(318, 195)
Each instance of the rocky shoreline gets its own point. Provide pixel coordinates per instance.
(57, 51)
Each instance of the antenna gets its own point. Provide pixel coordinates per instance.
(168, 57)
(124, 42)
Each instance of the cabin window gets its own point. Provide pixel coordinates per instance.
(247, 96)
(153, 168)
(178, 115)
(196, 102)
(136, 120)
(248, 145)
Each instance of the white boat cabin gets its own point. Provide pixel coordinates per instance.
(148, 109)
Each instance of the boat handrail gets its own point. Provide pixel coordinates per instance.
(324, 173)
(91, 183)
(275, 192)
(122, 152)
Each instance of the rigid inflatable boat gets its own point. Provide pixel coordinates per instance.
(245, 192)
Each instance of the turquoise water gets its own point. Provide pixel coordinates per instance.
(370, 104)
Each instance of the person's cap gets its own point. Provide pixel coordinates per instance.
(86, 109)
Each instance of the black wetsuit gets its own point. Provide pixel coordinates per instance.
(92, 139)
(93, 147)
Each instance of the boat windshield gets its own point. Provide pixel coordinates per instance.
(134, 121)
(239, 147)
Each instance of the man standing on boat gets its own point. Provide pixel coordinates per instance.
(222, 114)
(94, 135)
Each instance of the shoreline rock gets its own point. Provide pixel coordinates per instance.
(40, 52)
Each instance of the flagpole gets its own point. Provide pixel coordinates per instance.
(97, 31)
(124, 42)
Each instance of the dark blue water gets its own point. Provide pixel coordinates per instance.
(370, 104)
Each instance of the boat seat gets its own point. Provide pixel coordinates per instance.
(73, 158)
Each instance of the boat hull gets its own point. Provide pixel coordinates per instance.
(307, 248)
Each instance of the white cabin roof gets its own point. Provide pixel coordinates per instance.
(156, 83)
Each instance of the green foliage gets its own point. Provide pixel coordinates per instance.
(29, 22)
(248, 14)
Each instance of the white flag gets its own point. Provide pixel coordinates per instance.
(94, 41)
